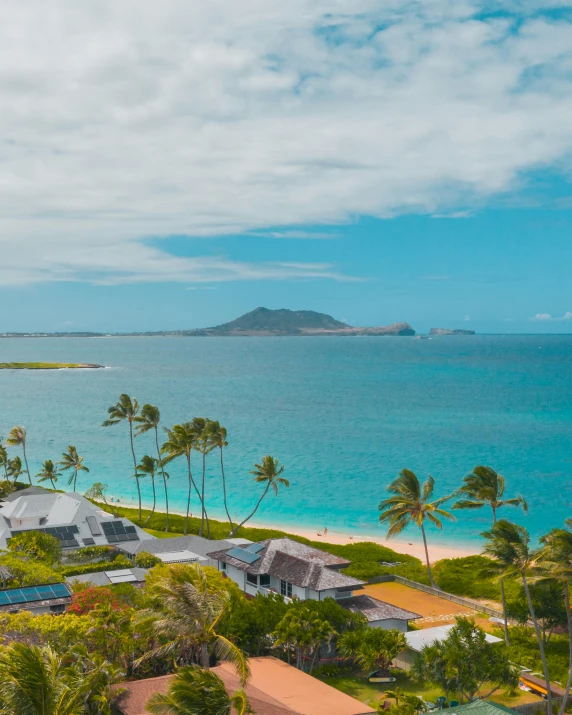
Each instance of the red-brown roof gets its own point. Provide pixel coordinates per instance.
(275, 688)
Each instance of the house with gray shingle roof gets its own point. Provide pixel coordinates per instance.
(296, 570)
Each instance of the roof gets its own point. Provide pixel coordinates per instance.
(417, 640)
(195, 544)
(291, 561)
(482, 707)
(43, 509)
(375, 610)
(44, 595)
(107, 578)
(275, 688)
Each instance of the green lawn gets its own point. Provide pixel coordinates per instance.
(359, 688)
(162, 534)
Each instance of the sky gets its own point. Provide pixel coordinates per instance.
(173, 165)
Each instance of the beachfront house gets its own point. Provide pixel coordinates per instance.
(70, 517)
(295, 570)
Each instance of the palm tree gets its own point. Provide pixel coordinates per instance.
(217, 438)
(17, 437)
(485, 487)
(4, 457)
(14, 469)
(372, 647)
(148, 467)
(194, 691)
(48, 472)
(181, 442)
(411, 505)
(508, 547)
(555, 561)
(187, 613)
(266, 473)
(149, 419)
(203, 446)
(71, 461)
(126, 408)
(37, 681)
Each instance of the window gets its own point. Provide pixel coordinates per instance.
(222, 566)
(252, 579)
(265, 580)
(286, 589)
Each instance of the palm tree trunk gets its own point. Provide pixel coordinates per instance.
(53, 484)
(154, 500)
(26, 463)
(135, 467)
(205, 662)
(203, 496)
(74, 478)
(224, 489)
(503, 594)
(242, 523)
(431, 581)
(569, 620)
(190, 478)
(540, 643)
(164, 478)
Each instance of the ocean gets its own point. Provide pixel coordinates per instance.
(343, 415)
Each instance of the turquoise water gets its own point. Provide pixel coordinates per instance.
(344, 415)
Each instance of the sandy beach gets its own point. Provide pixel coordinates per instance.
(436, 553)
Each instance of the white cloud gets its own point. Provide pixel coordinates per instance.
(123, 121)
(547, 316)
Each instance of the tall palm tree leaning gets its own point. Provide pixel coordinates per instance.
(147, 467)
(217, 437)
(149, 419)
(555, 561)
(126, 409)
(485, 487)
(186, 615)
(17, 437)
(269, 473)
(180, 443)
(411, 504)
(4, 458)
(48, 472)
(194, 690)
(508, 548)
(71, 461)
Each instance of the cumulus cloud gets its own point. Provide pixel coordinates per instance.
(547, 316)
(128, 121)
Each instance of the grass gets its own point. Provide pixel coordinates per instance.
(43, 365)
(162, 534)
(358, 687)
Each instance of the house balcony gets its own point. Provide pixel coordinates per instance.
(252, 590)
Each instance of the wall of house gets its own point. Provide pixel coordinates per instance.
(405, 659)
(238, 576)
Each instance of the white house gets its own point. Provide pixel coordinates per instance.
(295, 570)
(70, 517)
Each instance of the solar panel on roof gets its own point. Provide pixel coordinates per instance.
(243, 555)
(34, 593)
(88, 541)
(255, 548)
(93, 525)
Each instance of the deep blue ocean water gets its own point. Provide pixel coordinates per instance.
(343, 415)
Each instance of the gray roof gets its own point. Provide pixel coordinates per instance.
(196, 544)
(301, 565)
(39, 508)
(375, 610)
(417, 640)
(100, 578)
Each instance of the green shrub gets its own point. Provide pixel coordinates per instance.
(120, 562)
(465, 577)
(90, 552)
(330, 671)
(145, 560)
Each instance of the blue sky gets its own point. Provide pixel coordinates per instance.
(382, 160)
